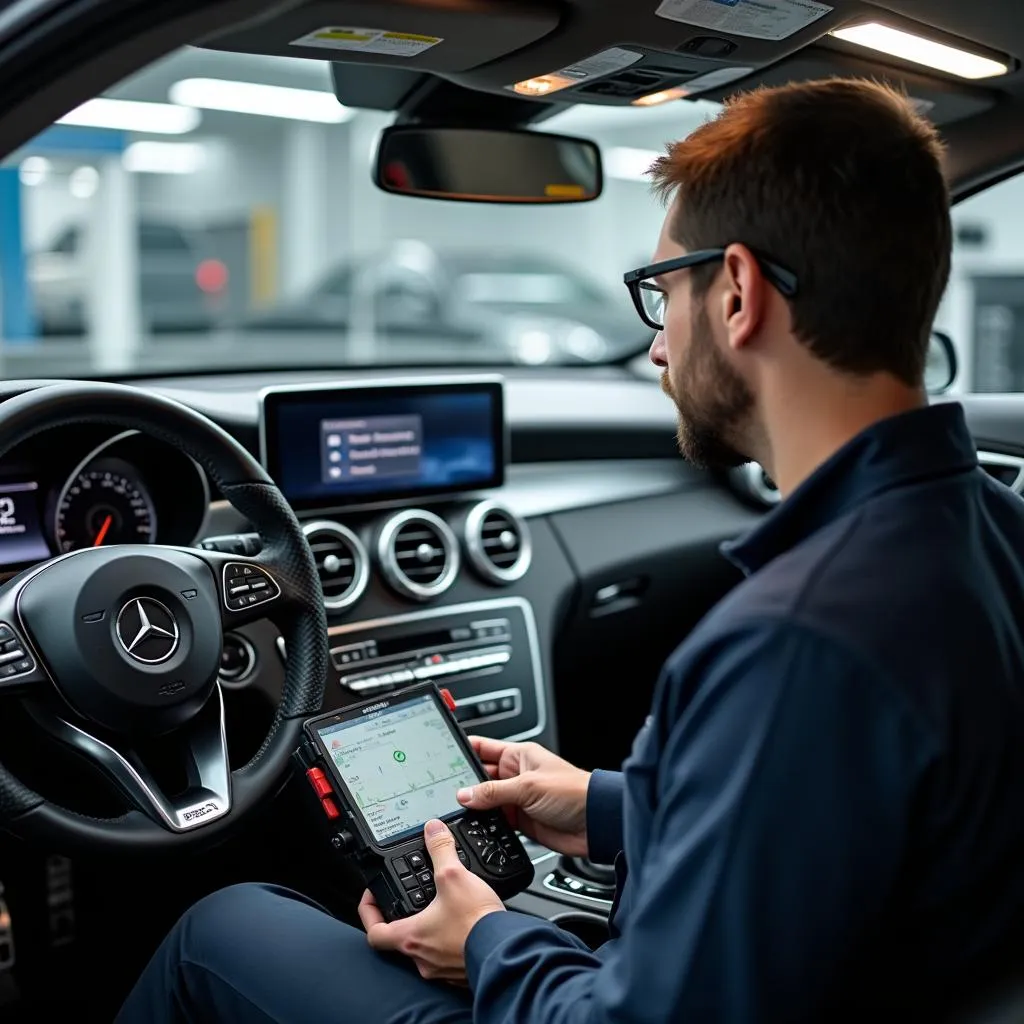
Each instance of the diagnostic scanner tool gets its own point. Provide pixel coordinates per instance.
(379, 771)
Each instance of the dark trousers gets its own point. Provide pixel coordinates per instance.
(261, 953)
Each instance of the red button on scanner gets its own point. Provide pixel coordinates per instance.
(330, 808)
(448, 699)
(320, 783)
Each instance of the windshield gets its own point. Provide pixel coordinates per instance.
(220, 214)
(225, 226)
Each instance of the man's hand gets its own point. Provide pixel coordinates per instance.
(542, 795)
(435, 938)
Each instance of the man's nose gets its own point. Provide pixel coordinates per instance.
(658, 354)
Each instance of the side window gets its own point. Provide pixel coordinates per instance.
(983, 309)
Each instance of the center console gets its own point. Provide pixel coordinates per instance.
(396, 487)
(486, 654)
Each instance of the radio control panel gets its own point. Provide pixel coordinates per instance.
(485, 653)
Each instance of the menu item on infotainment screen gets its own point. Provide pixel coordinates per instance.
(355, 444)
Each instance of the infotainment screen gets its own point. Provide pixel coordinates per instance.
(353, 444)
(402, 766)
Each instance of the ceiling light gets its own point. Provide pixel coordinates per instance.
(254, 98)
(150, 157)
(83, 182)
(34, 170)
(655, 99)
(919, 50)
(628, 164)
(134, 116)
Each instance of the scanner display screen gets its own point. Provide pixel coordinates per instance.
(402, 764)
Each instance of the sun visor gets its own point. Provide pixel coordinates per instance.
(418, 37)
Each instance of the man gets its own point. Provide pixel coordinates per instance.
(822, 818)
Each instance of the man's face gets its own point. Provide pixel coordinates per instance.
(713, 400)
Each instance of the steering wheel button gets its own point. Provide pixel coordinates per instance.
(241, 588)
(25, 665)
(247, 570)
(5, 632)
(9, 645)
(259, 584)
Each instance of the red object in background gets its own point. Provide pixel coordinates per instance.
(212, 276)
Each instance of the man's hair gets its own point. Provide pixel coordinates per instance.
(842, 182)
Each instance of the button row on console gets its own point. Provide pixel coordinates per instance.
(433, 670)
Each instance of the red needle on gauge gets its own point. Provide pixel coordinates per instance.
(103, 531)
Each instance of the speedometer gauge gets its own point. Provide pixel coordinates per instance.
(104, 504)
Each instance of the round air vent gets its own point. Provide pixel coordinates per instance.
(754, 483)
(498, 542)
(418, 554)
(341, 562)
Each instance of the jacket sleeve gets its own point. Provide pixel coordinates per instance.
(604, 815)
(782, 795)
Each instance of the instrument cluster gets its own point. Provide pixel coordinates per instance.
(68, 489)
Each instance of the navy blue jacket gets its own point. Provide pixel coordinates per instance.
(824, 814)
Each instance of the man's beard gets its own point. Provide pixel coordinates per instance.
(713, 401)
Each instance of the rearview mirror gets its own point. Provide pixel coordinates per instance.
(942, 367)
(487, 165)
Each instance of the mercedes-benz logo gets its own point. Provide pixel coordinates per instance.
(147, 630)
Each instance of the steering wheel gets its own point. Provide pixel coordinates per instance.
(109, 648)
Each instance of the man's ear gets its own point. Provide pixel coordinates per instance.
(744, 297)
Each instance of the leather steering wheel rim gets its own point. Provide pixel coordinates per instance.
(243, 482)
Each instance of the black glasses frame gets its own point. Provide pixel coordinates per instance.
(784, 280)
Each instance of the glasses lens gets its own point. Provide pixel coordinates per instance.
(652, 298)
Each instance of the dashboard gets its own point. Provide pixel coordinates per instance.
(528, 540)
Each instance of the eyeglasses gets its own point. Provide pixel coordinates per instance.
(649, 297)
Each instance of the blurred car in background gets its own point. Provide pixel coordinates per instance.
(176, 281)
(525, 307)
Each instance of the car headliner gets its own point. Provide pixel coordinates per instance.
(55, 54)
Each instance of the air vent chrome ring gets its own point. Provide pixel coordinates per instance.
(360, 560)
(518, 536)
(997, 461)
(752, 480)
(389, 558)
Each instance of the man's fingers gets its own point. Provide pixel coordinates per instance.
(386, 937)
(487, 749)
(369, 912)
(441, 847)
(380, 934)
(493, 793)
